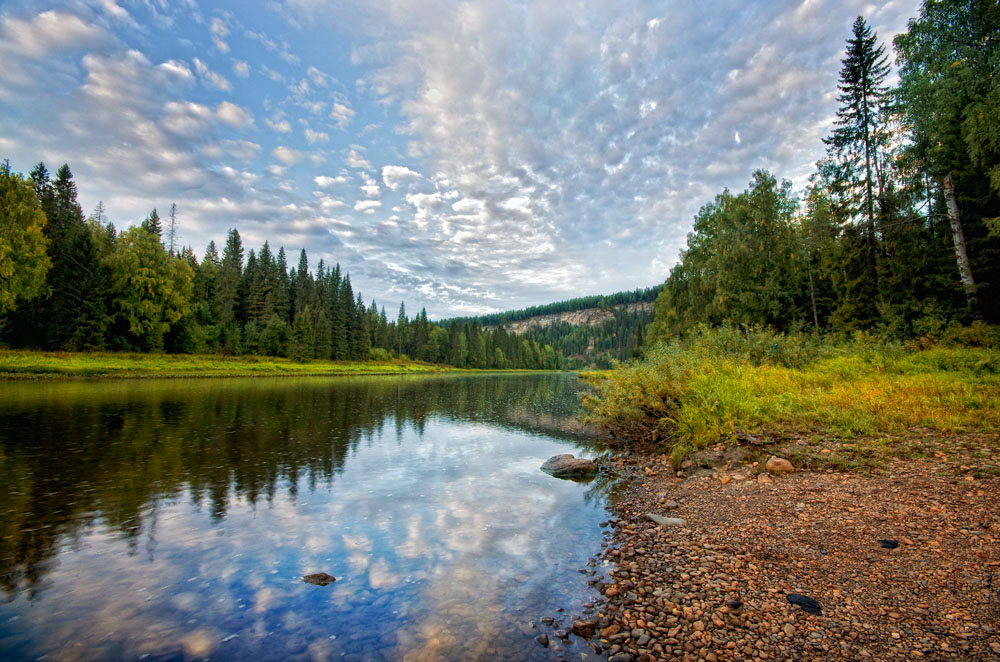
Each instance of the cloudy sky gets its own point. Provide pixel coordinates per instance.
(464, 156)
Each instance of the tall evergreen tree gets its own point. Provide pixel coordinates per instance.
(856, 175)
(153, 224)
(226, 290)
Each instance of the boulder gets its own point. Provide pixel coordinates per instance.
(568, 466)
(779, 465)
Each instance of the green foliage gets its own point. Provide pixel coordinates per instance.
(742, 264)
(24, 261)
(151, 291)
(693, 392)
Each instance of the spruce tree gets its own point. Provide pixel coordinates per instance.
(153, 224)
(856, 173)
(228, 281)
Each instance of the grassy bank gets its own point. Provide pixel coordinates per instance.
(722, 384)
(22, 364)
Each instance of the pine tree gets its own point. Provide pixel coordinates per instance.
(280, 302)
(323, 337)
(303, 284)
(361, 336)
(856, 173)
(300, 347)
(227, 284)
(153, 224)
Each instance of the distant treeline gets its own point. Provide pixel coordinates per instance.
(899, 233)
(74, 283)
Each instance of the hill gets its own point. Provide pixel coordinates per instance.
(590, 331)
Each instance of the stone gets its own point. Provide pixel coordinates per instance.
(808, 605)
(621, 657)
(725, 479)
(566, 465)
(543, 640)
(319, 579)
(612, 629)
(779, 465)
(889, 544)
(584, 629)
(671, 505)
(665, 521)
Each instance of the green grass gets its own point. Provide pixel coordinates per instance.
(23, 364)
(687, 395)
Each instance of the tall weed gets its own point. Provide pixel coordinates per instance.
(715, 383)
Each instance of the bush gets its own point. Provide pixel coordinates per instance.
(379, 354)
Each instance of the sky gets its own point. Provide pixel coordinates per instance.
(466, 157)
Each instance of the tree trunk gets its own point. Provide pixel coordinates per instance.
(964, 270)
(812, 293)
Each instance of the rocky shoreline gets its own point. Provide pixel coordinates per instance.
(899, 565)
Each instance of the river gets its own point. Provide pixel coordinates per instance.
(175, 519)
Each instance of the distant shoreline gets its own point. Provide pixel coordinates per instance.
(28, 365)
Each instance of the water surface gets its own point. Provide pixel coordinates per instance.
(174, 520)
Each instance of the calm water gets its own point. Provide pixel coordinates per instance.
(174, 520)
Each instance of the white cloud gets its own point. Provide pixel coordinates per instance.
(367, 206)
(241, 69)
(287, 155)
(342, 114)
(219, 33)
(324, 181)
(48, 33)
(355, 160)
(186, 118)
(318, 78)
(370, 189)
(393, 176)
(316, 136)
(176, 69)
(234, 115)
(212, 77)
(279, 125)
(329, 203)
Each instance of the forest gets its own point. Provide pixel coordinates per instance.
(78, 284)
(598, 346)
(870, 306)
(897, 233)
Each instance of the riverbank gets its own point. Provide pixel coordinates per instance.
(25, 364)
(717, 586)
(902, 563)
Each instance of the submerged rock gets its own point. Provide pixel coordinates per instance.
(319, 579)
(568, 466)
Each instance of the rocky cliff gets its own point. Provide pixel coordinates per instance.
(588, 316)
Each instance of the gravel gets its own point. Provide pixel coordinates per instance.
(717, 588)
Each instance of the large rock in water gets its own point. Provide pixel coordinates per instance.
(566, 465)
